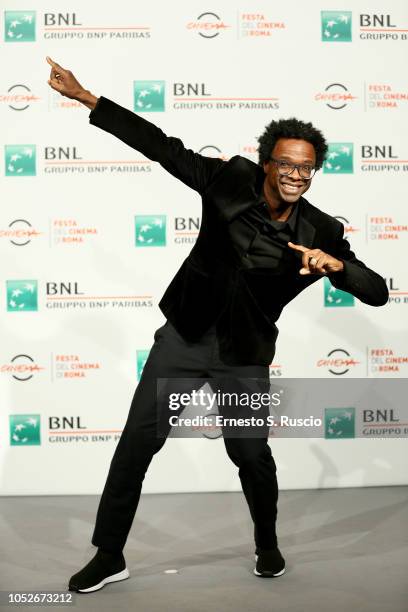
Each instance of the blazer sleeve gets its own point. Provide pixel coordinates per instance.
(193, 169)
(365, 284)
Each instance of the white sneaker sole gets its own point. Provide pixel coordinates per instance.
(114, 578)
(267, 575)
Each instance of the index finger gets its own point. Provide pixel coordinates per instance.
(54, 64)
(298, 247)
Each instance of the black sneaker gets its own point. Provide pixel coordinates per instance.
(269, 563)
(103, 568)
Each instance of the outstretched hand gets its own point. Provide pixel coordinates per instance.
(63, 81)
(315, 261)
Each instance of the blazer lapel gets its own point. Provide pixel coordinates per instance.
(233, 195)
(305, 231)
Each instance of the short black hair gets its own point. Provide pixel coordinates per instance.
(291, 128)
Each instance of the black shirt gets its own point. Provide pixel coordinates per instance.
(269, 245)
(267, 268)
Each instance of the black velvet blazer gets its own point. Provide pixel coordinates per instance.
(212, 285)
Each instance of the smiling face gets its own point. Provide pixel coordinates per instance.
(288, 189)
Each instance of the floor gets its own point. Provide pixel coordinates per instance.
(344, 548)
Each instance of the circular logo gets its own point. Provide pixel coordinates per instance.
(337, 96)
(210, 151)
(339, 362)
(23, 363)
(21, 234)
(214, 435)
(19, 92)
(210, 20)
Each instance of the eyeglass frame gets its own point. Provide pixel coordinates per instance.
(294, 167)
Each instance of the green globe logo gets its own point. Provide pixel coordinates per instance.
(336, 26)
(25, 429)
(20, 160)
(339, 423)
(19, 26)
(339, 158)
(148, 96)
(335, 298)
(150, 230)
(22, 295)
(141, 358)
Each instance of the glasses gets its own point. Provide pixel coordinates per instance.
(285, 168)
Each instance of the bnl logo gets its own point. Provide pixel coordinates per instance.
(150, 230)
(339, 158)
(19, 26)
(334, 298)
(339, 423)
(20, 160)
(25, 430)
(148, 96)
(22, 295)
(141, 358)
(336, 26)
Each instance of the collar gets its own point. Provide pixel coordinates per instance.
(278, 225)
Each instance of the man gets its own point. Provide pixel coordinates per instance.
(260, 244)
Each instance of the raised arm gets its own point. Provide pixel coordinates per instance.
(65, 83)
(193, 169)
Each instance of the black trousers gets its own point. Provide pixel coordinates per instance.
(174, 358)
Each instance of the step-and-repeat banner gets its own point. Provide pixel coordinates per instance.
(91, 232)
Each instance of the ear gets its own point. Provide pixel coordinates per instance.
(266, 167)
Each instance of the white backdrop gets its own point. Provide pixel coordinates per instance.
(79, 299)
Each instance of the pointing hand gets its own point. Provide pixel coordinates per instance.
(64, 81)
(315, 261)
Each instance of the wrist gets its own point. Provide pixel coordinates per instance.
(339, 266)
(86, 98)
